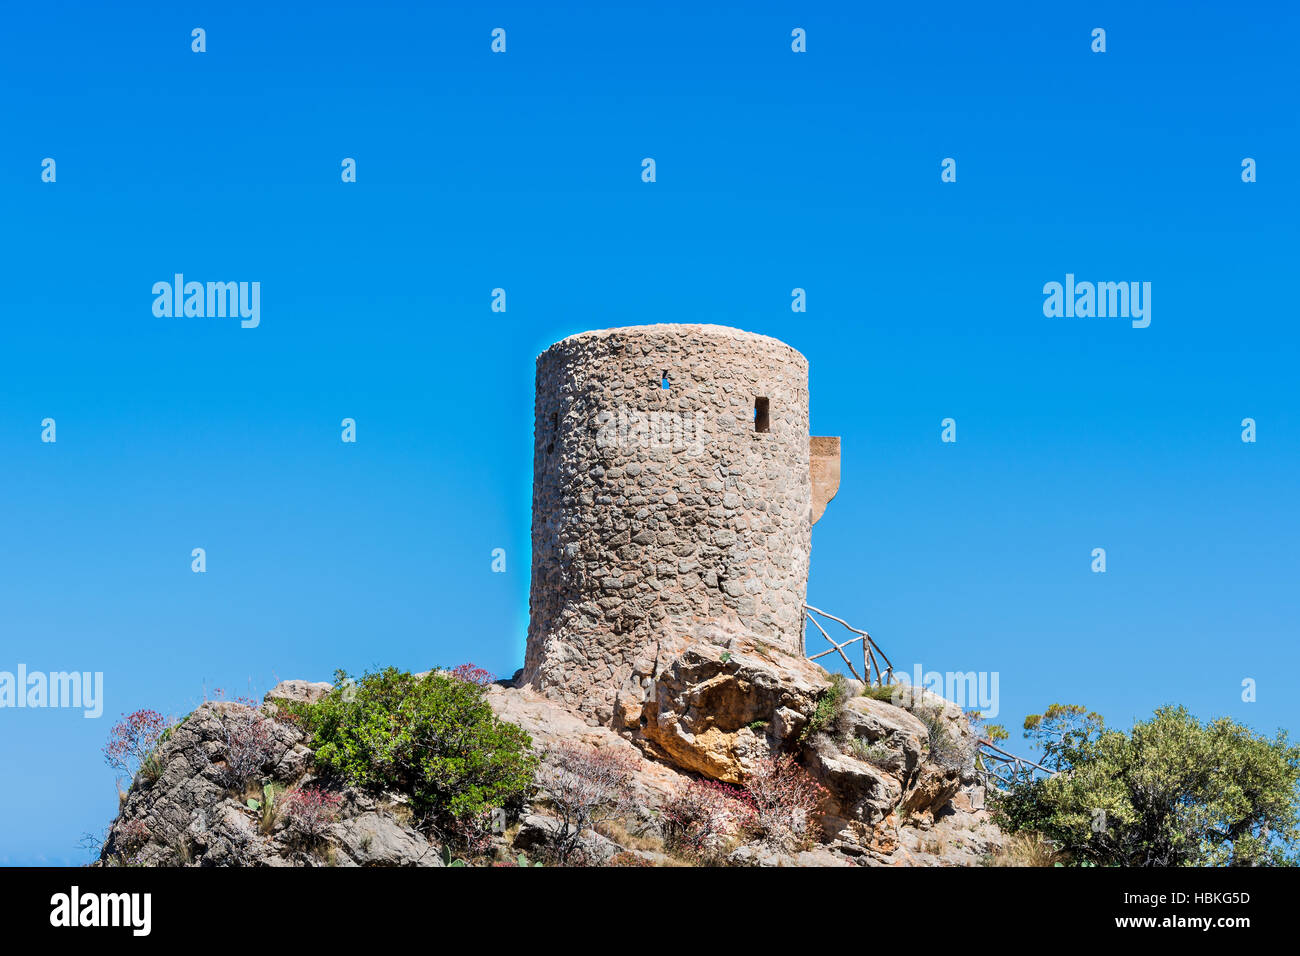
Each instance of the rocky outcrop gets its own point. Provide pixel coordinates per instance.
(900, 784)
(549, 723)
(298, 691)
(717, 709)
(188, 810)
(899, 788)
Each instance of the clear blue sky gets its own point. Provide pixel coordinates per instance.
(522, 171)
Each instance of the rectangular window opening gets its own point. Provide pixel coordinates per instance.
(761, 422)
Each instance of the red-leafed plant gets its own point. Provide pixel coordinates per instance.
(473, 674)
(132, 835)
(309, 811)
(704, 816)
(785, 799)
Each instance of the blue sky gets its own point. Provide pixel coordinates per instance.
(522, 171)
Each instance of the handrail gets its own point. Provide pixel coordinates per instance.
(1011, 768)
(869, 648)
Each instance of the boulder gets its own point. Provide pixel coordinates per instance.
(537, 834)
(716, 710)
(298, 691)
(859, 791)
(376, 839)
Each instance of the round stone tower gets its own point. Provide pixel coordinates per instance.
(672, 494)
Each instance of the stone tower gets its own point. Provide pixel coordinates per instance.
(674, 490)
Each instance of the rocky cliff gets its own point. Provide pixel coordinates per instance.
(896, 776)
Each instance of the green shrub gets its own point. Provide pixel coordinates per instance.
(942, 746)
(876, 753)
(830, 705)
(434, 738)
(883, 692)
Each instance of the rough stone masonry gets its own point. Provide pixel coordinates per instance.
(675, 486)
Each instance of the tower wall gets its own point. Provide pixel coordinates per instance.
(657, 511)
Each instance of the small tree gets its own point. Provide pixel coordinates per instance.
(587, 786)
(433, 737)
(132, 742)
(250, 742)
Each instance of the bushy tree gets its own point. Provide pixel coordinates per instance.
(1172, 792)
(433, 737)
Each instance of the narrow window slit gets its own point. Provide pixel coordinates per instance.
(761, 421)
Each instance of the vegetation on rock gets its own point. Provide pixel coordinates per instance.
(432, 737)
(704, 819)
(132, 742)
(586, 786)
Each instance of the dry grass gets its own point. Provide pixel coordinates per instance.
(625, 835)
(1027, 849)
(402, 813)
(183, 852)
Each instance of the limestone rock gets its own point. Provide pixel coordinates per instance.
(860, 791)
(298, 691)
(548, 722)
(537, 833)
(710, 705)
(376, 839)
(192, 813)
(716, 710)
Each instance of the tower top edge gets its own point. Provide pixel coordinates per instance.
(719, 332)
